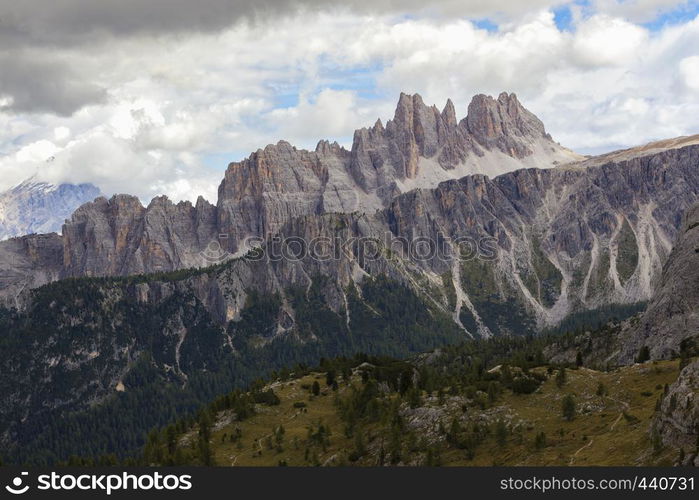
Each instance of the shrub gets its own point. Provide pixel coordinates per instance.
(561, 377)
(525, 385)
(266, 397)
(643, 354)
(601, 390)
(540, 441)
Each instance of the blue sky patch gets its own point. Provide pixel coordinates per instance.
(681, 14)
(563, 17)
(486, 24)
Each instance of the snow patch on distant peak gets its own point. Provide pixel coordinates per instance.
(35, 206)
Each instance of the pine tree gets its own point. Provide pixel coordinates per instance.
(540, 440)
(601, 389)
(205, 453)
(568, 407)
(501, 433)
(492, 392)
(643, 355)
(561, 377)
(171, 437)
(414, 397)
(359, 446)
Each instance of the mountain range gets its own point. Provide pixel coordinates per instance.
(439, 231)
(584, 234)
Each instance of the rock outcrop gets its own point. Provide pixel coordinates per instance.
(120, 237)
(677, 421)
(26, 263)
(505, 125)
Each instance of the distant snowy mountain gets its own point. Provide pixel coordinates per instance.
(40, 207)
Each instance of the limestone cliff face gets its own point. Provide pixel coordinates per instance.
(672, 316)
(280, 182)
(28, 262)
(504, 124)
(119, 236)
(416, 131)
(567, 239)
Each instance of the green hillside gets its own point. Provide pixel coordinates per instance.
(459, 407)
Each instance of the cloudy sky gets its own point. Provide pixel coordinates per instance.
(158, 96)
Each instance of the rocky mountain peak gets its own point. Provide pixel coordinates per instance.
(164, 203)
(160, 201)
(127, 202)
(40, 207)
(504, 124)
(378, 126)
(508, 98)
(449, 114)
(409, 108)
(326, 147)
